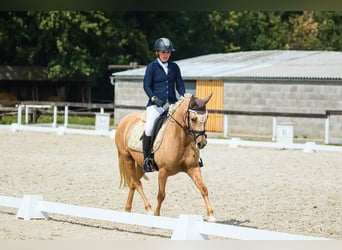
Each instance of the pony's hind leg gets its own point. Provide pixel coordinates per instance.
(128, 206)
(132, 174)
(140, 173)
(136, 173)
(136, 185)
(195, 174)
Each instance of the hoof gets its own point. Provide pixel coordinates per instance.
(149, 212)
(211, 218)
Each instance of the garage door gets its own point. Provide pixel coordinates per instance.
(203, 89)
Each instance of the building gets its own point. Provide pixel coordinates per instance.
(307, 82)
(31, 83)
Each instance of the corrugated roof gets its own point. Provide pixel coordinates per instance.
(270, 64)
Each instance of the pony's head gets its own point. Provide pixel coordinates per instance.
(197, 117)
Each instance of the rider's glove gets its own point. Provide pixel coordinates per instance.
(157, 101)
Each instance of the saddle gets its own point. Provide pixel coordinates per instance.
(135, 138)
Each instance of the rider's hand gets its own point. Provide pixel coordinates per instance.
(157, 101)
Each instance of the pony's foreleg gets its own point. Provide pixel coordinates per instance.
(195, 175)
(162, 177)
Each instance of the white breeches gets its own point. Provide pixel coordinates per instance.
(152, 113)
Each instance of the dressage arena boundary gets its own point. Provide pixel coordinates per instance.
(186, 227)
(233, 142)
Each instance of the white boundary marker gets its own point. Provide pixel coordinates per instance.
(233, 142)
(306, 147)
(186, 227)
(60, 130)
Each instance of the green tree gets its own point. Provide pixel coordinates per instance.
(68, 41)
(83, 43)
(303, 32)
(16, 38)
(330, 29)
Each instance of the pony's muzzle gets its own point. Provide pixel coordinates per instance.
(201, 143)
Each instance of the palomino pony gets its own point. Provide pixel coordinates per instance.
(178, 151)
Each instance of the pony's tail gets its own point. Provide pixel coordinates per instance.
(123, 174)
(124, 178)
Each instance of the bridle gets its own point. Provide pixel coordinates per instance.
(196, 133)
(187, 127)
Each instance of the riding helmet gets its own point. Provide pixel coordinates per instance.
(163, 44)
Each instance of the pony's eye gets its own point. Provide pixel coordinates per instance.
(194, 118)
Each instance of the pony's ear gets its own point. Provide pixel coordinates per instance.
(200, 103)
(192, 102)
(206, 100)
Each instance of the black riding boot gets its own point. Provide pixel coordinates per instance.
(148, 161)
(200, 162)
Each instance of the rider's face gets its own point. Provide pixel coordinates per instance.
(164, 55)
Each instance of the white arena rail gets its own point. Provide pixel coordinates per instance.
(306, 147)
(233, 142)
(186, 227)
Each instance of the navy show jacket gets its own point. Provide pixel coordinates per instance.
(164, 86)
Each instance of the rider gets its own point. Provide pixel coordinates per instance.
(162, 78)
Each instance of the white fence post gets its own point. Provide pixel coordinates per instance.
(274, 125)
(326, 132)
(26, 114)
(66, 113)
(54, 123)
(20, 111)
(225, 125)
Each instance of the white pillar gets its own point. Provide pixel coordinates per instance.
(274, 126)
(102, 111)
(225, 125)
(326, 132)
(20, 111)
(66, 113)
(54, 124)
(26, 114)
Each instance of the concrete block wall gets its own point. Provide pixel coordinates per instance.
(294, 97)
(273, 96)
(130, 93)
